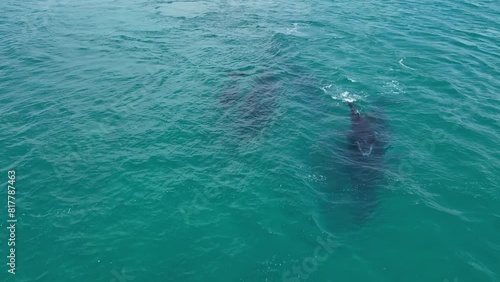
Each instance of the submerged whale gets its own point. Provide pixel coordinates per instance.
(259, 104)
(254, 111)
(365, 156)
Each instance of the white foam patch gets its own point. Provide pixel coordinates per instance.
(346, 97)
(297, 29)
(316, 177)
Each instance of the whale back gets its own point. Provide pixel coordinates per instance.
(362, 135)
(366, 158)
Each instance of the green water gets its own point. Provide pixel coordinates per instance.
(204, 141)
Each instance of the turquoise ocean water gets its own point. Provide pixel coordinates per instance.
(205, 141)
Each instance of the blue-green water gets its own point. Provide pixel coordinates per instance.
(203, 141)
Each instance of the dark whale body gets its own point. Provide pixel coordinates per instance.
(259, 104)
(255, 109)
(230, 96)
(365, 156)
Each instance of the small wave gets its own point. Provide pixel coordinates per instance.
(292, 30)
(401, 63)
(316, 177)
(324, 88)
(394, 87)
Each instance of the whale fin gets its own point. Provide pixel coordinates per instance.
(353, 109)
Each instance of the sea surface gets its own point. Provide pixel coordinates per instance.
(179, 141)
